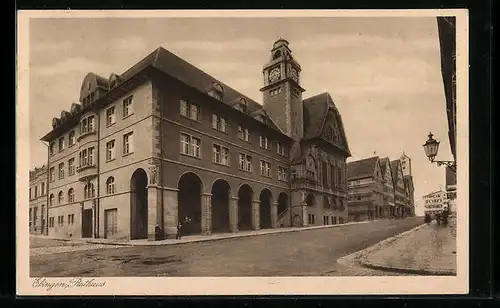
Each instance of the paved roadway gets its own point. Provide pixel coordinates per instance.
(304, 253)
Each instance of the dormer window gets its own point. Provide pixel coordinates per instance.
(216, 92)
(241, 105)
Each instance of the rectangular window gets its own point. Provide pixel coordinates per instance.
(324, 170)
(282, 173)
(110, 150)
(72, 138)
(185, 140)
(220, 155)
(190, 110)
(91, 123)
(128, 144)
(265, 168)
(334, 220)
(36, 191)
(325, 220)
(195, 112)
(52, 174)
(243, 133)
(91, 156)
(281, 149)
(52, 148)
(184, 109)
(43, 189)
(190, 145)
(61, 171)
(310, 218)
(61, 144)
(216, 150)
(110, 116)
(219, 123)
(264, 142)
(245, 162)
(127, 106)
(195, 147)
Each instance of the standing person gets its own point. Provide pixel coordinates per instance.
(186, 225)
(179, 231)
(438, 219)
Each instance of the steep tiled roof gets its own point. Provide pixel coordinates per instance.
(383, 162)
(361, 168)
(169, 63)
(315, 111)
(394, 167)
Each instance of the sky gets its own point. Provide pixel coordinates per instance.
(383, 73)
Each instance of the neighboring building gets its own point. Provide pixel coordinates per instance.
(165, 141)
(435, 202)
(409, 186)
(389, 204)
(451, 189)
(38, 200)
(366, 190)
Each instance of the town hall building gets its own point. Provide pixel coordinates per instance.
(165, 141)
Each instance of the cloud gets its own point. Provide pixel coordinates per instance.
(50, 46)
(72, 65)
(244, 44)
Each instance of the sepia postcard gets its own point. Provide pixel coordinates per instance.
(258, 152)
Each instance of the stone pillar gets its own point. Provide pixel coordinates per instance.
(152, 215)
(305, 216)
(206, 214)
(274, 215)
(233, 214)
(256, 214)
(170, 212)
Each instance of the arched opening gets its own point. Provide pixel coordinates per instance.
(310, 200)
(245, 196)
(282, 203)
(220, 206)
(139, 205)
(189, 198)
(265, 209)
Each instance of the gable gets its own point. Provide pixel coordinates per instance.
(377, 173)
(332, 131)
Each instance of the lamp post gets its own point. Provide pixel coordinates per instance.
(431, 147)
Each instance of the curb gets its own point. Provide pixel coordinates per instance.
(363, 255)
(233, 236)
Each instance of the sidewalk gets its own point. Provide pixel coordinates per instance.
(425, 250)
(197, 238)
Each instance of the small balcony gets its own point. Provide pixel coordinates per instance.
(86, 172)
(86, 134)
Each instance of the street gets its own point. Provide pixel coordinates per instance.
(304, 253)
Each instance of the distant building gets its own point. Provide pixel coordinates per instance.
(365, 182)
(435, 202)
(389, 204)
(451, 188)
(38, 200)
(165, 141)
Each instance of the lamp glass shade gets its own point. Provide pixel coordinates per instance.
(431, 147)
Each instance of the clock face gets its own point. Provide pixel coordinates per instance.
(275, 74)
(294, 75)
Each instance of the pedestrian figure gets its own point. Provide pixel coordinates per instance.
(179, 231)
(438, 219)
(427, 218)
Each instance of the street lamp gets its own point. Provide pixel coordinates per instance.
(431, 147)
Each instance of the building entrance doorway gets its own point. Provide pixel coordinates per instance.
(139, 205)
(87, 223)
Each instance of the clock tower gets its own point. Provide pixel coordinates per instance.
(282, 93)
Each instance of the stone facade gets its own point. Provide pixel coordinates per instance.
(38, 200)
(378, 189)
(166, 143)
